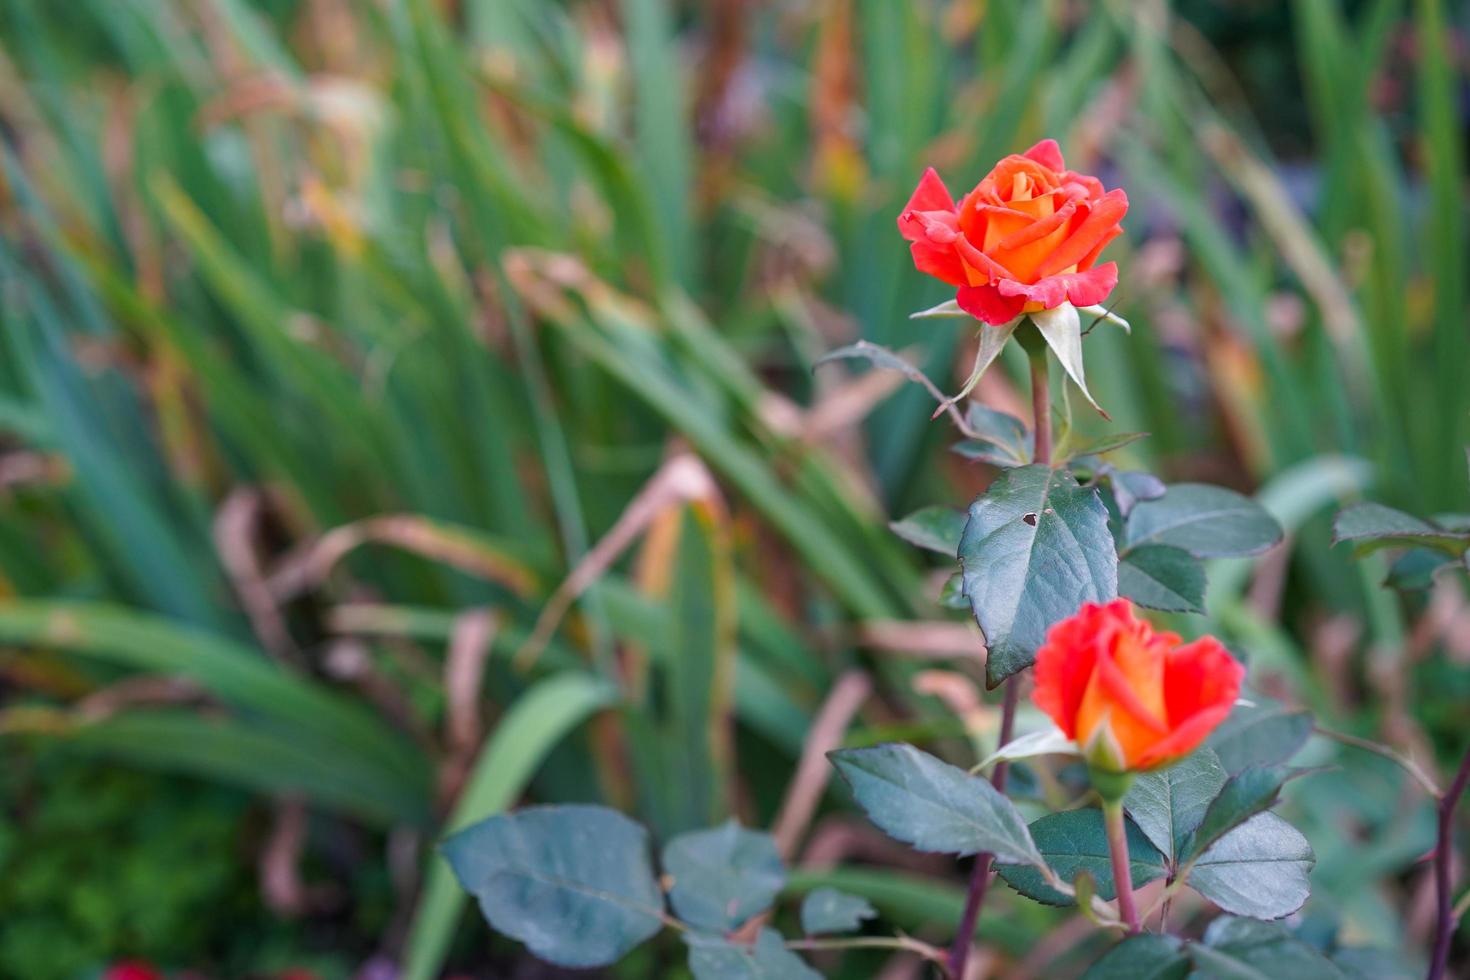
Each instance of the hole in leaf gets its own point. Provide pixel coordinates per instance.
(1029, 519)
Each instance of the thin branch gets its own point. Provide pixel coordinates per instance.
(1041, 406)
(1122, 873)
(1444, 928)
(1393, 755)
(906, 943)
(959, 952)
(914, 374)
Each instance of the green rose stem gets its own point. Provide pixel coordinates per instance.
(1035, 347)
(1444, 927)
(1118, 849)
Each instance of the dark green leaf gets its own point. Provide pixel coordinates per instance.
(715, 958)
(1260, 733)
(999, 428)
(1259, 869)
(1162, 577)
(1102, 444)
(1253, 790)
(1206, 521)
(1035, 548)
(1133, 486)
(1142, 957)
(1415, 569)
(952, 596)
(722, 876)
(1167, 804)
(932, 805)
(827, 910)
(1369, 527)
(1365, 963)
(977, 451)
(1074, 841)
(571, 882)
(935, 528)
(1243, 949)
(1001, 439)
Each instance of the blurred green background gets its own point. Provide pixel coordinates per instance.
(334, 334)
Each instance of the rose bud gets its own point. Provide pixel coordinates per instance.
(1132, 697)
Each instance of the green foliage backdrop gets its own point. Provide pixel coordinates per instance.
(334, 336)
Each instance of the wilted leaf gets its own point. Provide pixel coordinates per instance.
(932, 805)
(573, 883)
(863, 350)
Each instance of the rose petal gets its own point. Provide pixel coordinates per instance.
(1078, 288)
(1182, 740)
(1101, 220)
(939, 261)
(930, 195)
(1065, 661)
(940, 227)
(1200, 676)
(1090, 258)
(984, 302)
(1048, 154)
(985, 224)
(989, 267)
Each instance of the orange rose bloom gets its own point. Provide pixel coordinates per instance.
(1025, 239)
(1132, 698)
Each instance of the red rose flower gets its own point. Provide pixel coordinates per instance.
(1027, 238)
(1132, 698)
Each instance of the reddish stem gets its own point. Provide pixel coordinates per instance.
(1444, 928)
(1041, 407)
(1122, 873)
(959, 953)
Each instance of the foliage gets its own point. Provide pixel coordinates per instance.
(326, 327)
